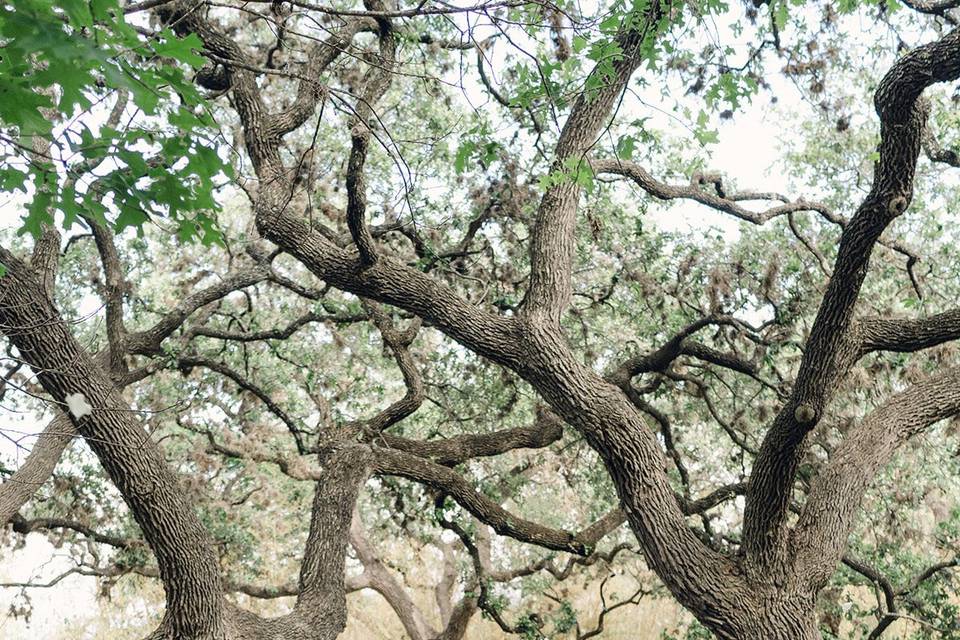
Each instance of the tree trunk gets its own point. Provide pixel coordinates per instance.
(780, 619)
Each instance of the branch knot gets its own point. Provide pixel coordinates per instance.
(804, 413)
(896, 206)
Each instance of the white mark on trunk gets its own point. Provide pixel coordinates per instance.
(78, 405)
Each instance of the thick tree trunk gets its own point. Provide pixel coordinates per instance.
(779, 619)
(185, 555)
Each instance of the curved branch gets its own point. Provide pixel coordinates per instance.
(310, 90)
(825, 522)
(24, 526)
(552, 242)
(679, 345)
(716, 199)
(730, 203)
(295, 426)
(460, 448)
(398, 342)
(883, 334)
(379, 578)
(831, 349)
(404, 465)
(147, 342)
(377, 82)
(888, 606)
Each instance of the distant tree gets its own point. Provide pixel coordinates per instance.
(336, 246)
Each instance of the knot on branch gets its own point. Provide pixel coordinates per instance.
(360, 131)
(804, 414)
(897, 205)
(216, 78)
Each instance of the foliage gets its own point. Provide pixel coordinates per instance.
(62, 66)
(460, 188)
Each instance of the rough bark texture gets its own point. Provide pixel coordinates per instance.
(767, 591)
(188, 564)
(36, 469)
(832, 347)
(758, 595)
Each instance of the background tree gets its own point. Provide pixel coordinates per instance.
(492, 257)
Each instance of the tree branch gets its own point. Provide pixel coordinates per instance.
(825, 522)
(552, 241)
(379, 579)
(36, 469)
(377, 81)
(908, 335)
(186, 558)
(397, 463)
(830, 351)
(321, 594)
(458, 449)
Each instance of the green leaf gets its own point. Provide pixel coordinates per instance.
(20, 105)
(780, 14)
(102, 9)
(12, 179)
(180, 49)
(463, 155)
(78, 11)
(130, 216)
(69, 206)
(625, 147)
(610, 24)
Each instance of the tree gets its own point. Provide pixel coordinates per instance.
(493, 265)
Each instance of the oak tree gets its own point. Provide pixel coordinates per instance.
(419, 249)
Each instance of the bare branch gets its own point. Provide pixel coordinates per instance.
(399, 343)
(296, 427)
(24, 526)
(821, 532)
(830, 350)
(460, 448)
(379, 578)
(310, 90)
(36, 469)
(377, 82)
(281, 333)
(716, 199)
(908, 335)
(147, 342)
(397, 463)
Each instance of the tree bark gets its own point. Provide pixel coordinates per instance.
(756, 596)
(187, 562)
(36, 469)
